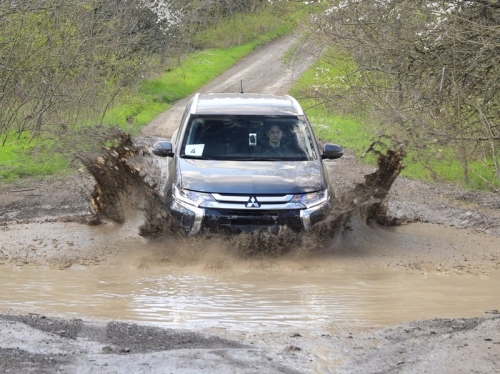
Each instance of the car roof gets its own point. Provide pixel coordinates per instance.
(246, 104)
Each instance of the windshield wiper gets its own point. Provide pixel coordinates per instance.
(259, 159)
(197, 157)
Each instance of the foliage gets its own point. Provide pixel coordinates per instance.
(70, 64)
(62, 61)
(426, 71)
(346, 126)
(241, 30)
(195, 69)
(330, 123)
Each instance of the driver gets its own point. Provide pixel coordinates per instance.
(274, 146)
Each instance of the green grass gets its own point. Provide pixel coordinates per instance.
(20, 158)
(351, 133)
(445, 167)
(239, 30)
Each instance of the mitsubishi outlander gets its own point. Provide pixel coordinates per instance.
(245, 163)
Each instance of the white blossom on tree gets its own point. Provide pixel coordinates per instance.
(167, 14)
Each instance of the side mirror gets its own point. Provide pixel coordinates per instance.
(163, 149)
(332, 151)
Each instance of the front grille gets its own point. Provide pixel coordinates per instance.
(250, 213)
(238, 202)
(250, 220)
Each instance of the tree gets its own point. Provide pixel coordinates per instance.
(428, 69)
(63, 61)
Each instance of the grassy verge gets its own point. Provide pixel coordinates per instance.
(443, 165)
(241, 30)
(20, 158)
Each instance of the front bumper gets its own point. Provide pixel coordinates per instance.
(234, 221)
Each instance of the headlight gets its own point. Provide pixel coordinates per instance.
(198, 199)
(311, 199)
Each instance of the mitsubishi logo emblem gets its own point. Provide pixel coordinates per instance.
(253, 203)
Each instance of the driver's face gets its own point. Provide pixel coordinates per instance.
(274, 135)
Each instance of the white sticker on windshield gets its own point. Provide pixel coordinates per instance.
(194, 149)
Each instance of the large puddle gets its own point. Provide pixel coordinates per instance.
(353, 288)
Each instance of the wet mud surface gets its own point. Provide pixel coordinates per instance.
(356, 295)
(58, 345)
(257, 303)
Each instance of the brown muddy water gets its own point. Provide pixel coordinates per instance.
(195, 284)
(362, 297)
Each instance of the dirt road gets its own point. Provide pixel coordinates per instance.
(456, 239)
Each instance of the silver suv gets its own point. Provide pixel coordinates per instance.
(246, 162)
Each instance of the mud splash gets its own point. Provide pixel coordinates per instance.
(121, 184)
(368, 200)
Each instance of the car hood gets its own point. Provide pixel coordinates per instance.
(251, 177)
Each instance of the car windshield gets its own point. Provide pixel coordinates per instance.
(253, 138)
